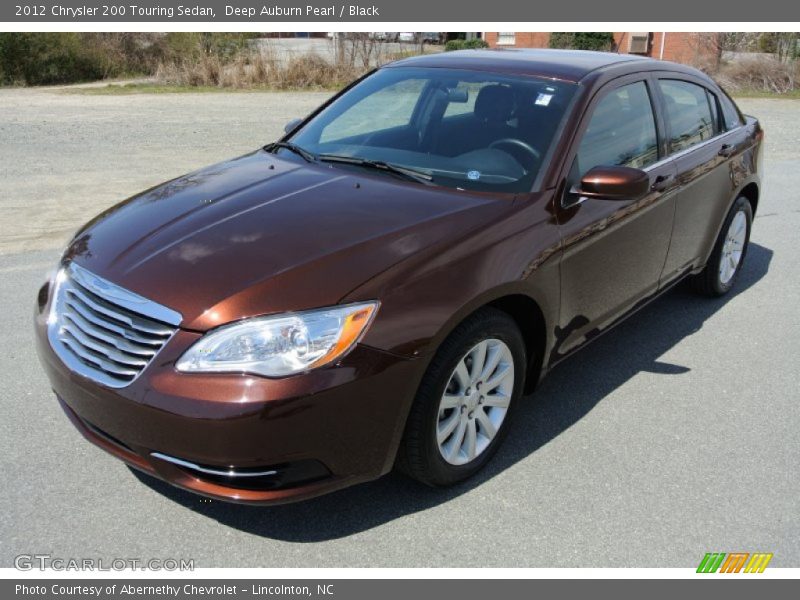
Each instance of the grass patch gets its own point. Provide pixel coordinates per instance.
(129, 89)
(791, 95)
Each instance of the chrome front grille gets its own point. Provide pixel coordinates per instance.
(103, 331)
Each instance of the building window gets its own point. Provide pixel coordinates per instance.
(506, 38)
(638, 42)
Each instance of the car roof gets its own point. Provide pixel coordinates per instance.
(568, 65)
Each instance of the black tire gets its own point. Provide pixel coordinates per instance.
(419, 455)
(708, 281)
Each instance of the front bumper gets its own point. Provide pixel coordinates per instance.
(317, 432)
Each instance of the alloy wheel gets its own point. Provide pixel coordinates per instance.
(733, 247)
(475, 402)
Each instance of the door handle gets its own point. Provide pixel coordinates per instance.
(726, 150)
(661, 182)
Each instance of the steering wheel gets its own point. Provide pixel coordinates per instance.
(518, 144)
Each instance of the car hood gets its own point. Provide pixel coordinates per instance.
(260, 234)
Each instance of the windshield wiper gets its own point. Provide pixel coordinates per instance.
(379, 165)
(307, 156)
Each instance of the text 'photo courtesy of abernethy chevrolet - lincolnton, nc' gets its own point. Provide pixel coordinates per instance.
(383, 286)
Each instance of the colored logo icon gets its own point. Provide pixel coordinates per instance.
(734, 562)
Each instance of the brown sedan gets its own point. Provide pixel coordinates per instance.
(383, 285)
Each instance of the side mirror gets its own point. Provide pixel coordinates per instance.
(291, 126)
(613, 183)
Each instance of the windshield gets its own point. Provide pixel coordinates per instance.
(465, 129)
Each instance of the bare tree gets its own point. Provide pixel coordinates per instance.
(739, 41)
(362, 50)
(707, 51)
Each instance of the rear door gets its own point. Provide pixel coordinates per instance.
(703, 136)
(614, 251)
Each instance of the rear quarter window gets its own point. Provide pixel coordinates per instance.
(731, 116)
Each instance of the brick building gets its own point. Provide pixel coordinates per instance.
(697, 49)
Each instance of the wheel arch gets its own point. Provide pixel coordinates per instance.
(530, 319)
(529, 314)
(751, 192)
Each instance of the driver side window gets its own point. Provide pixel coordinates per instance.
(621, 132)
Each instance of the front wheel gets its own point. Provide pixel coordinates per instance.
(727, 257)
(463, 407)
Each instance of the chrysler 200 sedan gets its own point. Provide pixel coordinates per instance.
(383, 285)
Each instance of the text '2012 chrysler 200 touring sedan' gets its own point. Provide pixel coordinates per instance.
(383, 285)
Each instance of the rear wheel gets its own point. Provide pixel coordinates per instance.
(726, 260)
(465, 401)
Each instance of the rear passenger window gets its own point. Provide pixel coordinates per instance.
(689, 113)
(621, 132)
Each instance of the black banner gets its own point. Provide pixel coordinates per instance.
(732, 587)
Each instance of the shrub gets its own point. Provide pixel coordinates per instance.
(764, 74)
(43, 58)
(257, 70)
(582, 40)
(472, 44)
(475, 44)
(48, 58)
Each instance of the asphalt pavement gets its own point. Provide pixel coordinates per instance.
(675, 435)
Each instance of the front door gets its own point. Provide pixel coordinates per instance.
(614, 251)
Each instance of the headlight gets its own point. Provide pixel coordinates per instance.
(280, 345)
